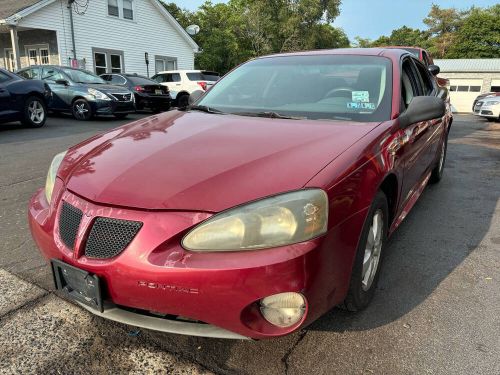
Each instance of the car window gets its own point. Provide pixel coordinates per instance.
(158, 78)
(51, 74)
(118, 79)
(425, 79)
(140, 80)
(106, 77)
(30, 73)
(4, 77)
(173, 77)
(409, 86)
(203, 76)
(426, 58)
(314, 87)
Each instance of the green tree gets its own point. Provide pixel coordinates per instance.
(478, 35)
(404, 36)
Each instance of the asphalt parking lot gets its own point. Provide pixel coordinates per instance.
(436, 310)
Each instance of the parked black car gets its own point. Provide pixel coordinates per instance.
(82, 93)
(148, 93)
(22, 100)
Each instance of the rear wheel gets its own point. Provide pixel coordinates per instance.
(34, 112)
(368, 261)
(183, 101)
(81, 110)
(437, 172)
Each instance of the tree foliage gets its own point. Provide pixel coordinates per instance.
(450, 33)
(238, 30)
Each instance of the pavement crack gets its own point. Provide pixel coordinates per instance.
(20, 182)
(29, 303)
(289, 352)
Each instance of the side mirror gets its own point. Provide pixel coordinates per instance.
(62, 82)
(194, 96)
(422, 108)
(434, 69)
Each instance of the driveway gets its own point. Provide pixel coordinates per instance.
(436, 310)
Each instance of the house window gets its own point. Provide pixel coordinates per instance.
(100, 63)
(165, 63)
(108, 61)
(32, 57)
(128, 11)
(116, 64)
(113, 8)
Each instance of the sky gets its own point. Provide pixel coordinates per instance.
(373, 18)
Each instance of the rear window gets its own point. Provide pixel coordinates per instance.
(139, 80)
(203, 76)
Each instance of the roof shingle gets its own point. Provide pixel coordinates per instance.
(468, 65)
(10, 7)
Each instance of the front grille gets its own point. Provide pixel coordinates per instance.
(109, 237)
(69, 222)
(123, 97)
(489, 113)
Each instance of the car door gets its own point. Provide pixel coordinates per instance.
(5, 99)
(434, 128)
(60, 92)
(415, 140)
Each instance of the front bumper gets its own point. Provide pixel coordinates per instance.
(490, 111)
(219, 291)
(153, 101)
(110, 107)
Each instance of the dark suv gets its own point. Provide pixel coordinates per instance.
(82, 93)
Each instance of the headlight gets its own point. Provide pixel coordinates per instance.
(51, 175)
(492, 102)
(276, 221)
(98, 94)
(284, 309)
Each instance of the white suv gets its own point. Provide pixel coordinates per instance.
(184, 82)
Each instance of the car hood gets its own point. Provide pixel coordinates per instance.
(108, 88)
(203, 162)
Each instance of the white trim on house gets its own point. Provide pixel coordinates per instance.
(15, 18)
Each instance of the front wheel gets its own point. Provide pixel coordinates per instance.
(81, 110)
(183, 101)
(368, 261)
(34, 112)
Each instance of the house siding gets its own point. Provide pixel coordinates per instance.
(150, 32)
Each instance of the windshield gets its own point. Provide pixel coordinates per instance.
(82, 76)
(314, 87)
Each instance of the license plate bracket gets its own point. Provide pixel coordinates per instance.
(77, 284)
(158, 92)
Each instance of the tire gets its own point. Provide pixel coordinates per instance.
(81, 110)
(489, 119)
(120, 115)
(363, 278)
(437, 172)
(34, 112)
(183, 101)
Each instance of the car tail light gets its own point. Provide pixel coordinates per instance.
(139, 88)
(203, 85)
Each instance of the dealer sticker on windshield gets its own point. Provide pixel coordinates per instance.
(358, 105)
(361, 96)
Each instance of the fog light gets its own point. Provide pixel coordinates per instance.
(284, 309)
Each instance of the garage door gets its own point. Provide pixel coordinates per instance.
(495, 85)
(463, 92)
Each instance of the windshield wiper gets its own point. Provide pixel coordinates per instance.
(204, 108)
(269, 114)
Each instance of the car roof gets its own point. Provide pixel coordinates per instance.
(379, 51)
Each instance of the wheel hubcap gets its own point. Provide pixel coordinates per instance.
(81, 110)
(441, 157)
(373, 250)
(36, 112)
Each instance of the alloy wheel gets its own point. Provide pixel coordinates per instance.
(373, 250)
(36, 112)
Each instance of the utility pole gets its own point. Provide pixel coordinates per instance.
(70, 8)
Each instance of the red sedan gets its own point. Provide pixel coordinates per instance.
(255, 211)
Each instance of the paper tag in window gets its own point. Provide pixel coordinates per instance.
(361, 96)
(358, 105)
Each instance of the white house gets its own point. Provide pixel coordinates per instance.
(98, 35)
